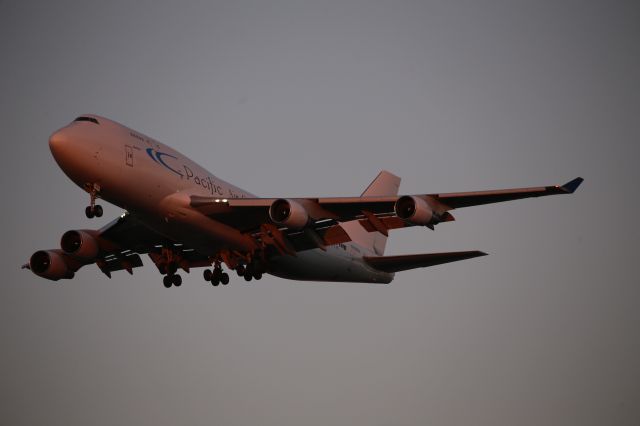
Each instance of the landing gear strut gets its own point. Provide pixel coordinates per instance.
(93, 209)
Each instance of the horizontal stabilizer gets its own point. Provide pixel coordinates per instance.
(412, 261)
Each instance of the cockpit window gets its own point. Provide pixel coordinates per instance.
(91, 119)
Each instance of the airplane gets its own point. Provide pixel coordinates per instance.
(184, 217)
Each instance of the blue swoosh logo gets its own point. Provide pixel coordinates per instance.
(158, 157)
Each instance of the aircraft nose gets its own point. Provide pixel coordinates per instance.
(56, 140)
(58, 143)
(75, 154)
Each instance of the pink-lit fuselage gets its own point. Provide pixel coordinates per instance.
(155, 183)
(148, 179)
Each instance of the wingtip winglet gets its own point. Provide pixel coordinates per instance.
(571, 186)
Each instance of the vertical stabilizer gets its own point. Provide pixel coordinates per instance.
(384, 184)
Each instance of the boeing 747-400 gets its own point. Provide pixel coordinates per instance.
(184, 217)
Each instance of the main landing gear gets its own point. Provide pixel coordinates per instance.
(249, 272)
(168, 261)
(172, 279)
(216, 276)
(93, 209)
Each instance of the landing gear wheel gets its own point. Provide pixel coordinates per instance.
(166, 280)
(215, 281)
(88, 211)
(224, 278)
(176, 280)
(257, 275)
(97, 210)
(247, 277)
(240, 270)
(216, 274)
(207, 274)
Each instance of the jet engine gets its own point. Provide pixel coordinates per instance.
(414, 210)
(80, 244)
(50, 264)
(288, 213)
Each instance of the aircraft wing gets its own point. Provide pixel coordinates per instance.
(374, 213)
(129, 234)
(466, 199)
(123, 240)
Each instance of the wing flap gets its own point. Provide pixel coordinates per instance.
(412, 261)
(111, 263)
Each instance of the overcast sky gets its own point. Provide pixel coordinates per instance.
(311, 98)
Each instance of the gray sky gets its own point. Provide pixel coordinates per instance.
(308, 98)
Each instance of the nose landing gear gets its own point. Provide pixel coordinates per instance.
(93, 209)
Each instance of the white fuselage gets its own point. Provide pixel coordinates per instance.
(155, 182)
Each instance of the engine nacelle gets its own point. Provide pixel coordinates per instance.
(414, 210)
(49, 264)
(80, 244)
(288, 213)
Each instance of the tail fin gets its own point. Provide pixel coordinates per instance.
(384, 184)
